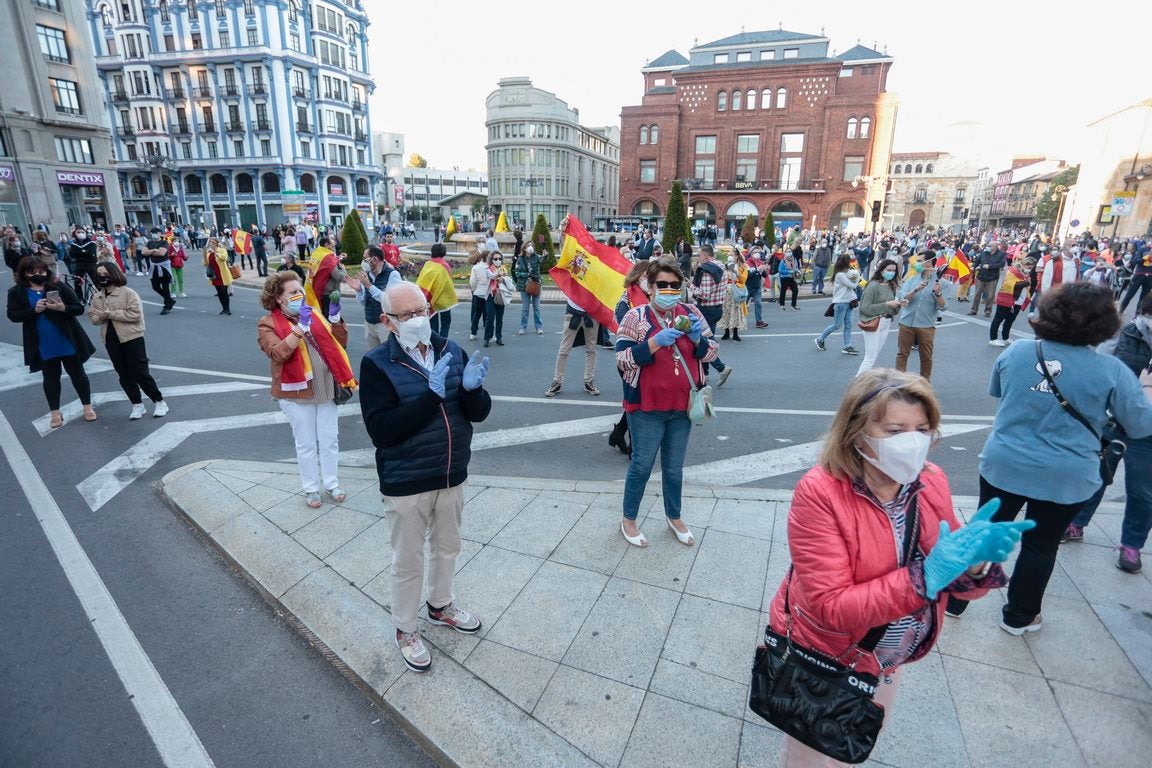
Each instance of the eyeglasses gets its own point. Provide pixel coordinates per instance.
(673, 285)
(404, 317)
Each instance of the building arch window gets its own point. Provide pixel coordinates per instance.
(750, 99)
(654, 134)
(740, 210)
(908, 168)
(766, 98)
(192, 185)
(896, 168)
(166, 184)
(362, 187)
(737, 97)
(781, 98)
(919, 168)
(139, 186)
(721, 101)
(106, 16)
(645, 208)
(218, 184)
(643, 134)
(270, 182)
(165, 15)
(928, 168)
(852, 123)
(308, 183)
(844, 212)
(865, 127)
(337, 186)
(244, 184)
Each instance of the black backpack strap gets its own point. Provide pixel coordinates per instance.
(1067, 406)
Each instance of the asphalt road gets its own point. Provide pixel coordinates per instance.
(254, 692)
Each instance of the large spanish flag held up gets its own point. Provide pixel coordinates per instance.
(959, 268)
(590, 273)
(320, 266)
(242, 242)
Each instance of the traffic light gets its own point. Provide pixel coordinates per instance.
(875, 211)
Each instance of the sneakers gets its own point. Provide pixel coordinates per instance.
(471, 337)
(761, 324)
(1072, 533)
(820, 344)
(724, 374)
(138, 412)
(590, 388)
(997, 343)
(183, 295)
(415, 653)
(539, 331)
(457, 619)
(849, 350)
(160, 410)
(553, 389)
(521, 332)
(1035, 626)
(1129, 560)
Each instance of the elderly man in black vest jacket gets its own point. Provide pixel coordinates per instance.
(419, 398)
(375, 278)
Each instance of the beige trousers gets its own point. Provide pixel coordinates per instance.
(375, 334)
(566, 341)
(434, 515)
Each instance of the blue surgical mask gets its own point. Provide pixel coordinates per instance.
(889, 274)
(666, 300)
(294, 304)
(917, 266)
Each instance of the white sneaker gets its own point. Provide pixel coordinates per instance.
(138, 412)
(1036, 625)
(161, 409)
(471, 337)
(414, 651)
(183, 296)
(521, 332)
(996, 343)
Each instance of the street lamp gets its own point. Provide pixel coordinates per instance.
(689, 185)
(1060, 191)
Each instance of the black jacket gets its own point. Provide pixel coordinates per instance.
(1132, 350)
(989, 266)
(21, 311)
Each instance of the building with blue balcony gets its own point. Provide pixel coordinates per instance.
(227, 112)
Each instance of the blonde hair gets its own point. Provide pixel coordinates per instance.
(865, 401)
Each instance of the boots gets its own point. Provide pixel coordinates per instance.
(619, 437)
(735, 335)
(725, 336)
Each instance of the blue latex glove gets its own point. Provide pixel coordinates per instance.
(439, 374)
(475, 371)
(978, 542)
(666, 337)
(696, 331)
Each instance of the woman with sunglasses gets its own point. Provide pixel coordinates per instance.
(219, 273)
(53, 338)
(660, 350)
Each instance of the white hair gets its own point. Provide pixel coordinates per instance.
(396, 290)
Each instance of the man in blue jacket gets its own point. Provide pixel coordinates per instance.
(419, 399)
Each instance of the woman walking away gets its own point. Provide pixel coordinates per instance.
(878, 306)
(1055, 476)
(659, 364)
(119, 314)
(875, 545)
(309, 370)
(1011, 299)
(844, 282)
(735, 316)
(219, 273)
(53, 339)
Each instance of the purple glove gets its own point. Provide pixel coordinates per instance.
(305, 320)
(334, 307)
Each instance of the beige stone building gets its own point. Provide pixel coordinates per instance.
(1117, 158)
(930, 189)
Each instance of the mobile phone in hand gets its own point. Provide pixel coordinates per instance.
(52, 296)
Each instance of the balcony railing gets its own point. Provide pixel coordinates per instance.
(120, 96)
(202, 91)
(263, 125)
(207, 127)
(301, 93)
(361, 136)
(232, 90)
(304, 128)
(258, 89)
(126, 130)
(333, 96)
(235, 127)
(357, 105)
(182, 129)
(175, 94)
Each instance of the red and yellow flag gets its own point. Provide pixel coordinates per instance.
(959, 268)
(241, 242)
(320, 266)
(590, 273)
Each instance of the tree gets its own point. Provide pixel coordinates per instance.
(675, 220)
(542, 242)
(416, 160)
(770, 231)
(748, 231)
(1046, 207)
(353, 240)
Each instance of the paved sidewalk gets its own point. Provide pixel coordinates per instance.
(595, 653)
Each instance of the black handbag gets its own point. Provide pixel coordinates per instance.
(816, 699)
(1111, 450)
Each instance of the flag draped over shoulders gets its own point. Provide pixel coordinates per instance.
(320, 267)
(590, 273)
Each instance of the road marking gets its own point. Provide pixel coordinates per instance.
(73, 409)
(968, 319)
(166, 724)
(14, 374)
(205, 372)
(749, 468)
(855, 333)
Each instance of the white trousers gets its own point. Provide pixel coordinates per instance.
(316, 430)
(873, 343)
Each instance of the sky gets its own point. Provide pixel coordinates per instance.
(981, 79)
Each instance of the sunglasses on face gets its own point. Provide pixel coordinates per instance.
(668, 285)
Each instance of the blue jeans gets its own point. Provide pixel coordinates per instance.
(525, 300)
(843, 317)
(755, 298)
(1137, 493)
(652, 431)
(818, 279)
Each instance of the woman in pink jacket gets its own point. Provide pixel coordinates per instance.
(845, 530)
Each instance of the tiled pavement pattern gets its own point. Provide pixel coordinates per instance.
(597, 653)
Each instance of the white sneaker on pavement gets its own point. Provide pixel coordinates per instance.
(415, 653)
(138, 412)
(161, 409)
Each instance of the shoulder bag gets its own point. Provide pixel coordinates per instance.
(699, 398)
(1111, 451)
(814, 698)
(532, 284)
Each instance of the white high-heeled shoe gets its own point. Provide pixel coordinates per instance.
(637, 541)
(684, 537)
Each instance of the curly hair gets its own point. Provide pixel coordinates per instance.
(1082, 314)
(274, 286)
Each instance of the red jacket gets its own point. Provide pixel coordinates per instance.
(845, 578)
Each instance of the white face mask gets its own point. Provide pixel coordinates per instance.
(901, 456)
(414, 331)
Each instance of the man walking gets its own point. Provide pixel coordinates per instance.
(923, 292)
(376, 278)
(419, 399)
(988, 266)
(160, 269)
(260, 251)
(708, 289)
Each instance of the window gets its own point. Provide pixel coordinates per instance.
(74, 150)
(213, 150)
(720, 58)
(781, 98)
(896, 169)
(225, 39)
(249, 8)
(745, 169)
(853, 167)
(647, 171)
(221, 11)
(791, 143)
(238, 148)
(705, 145)
(928, 168)
(52, 44)
(919, 168)
(846, 72)
(768, 55)
(244, 184)
(660, 81)
(306, 149)
(169, 42)
(270, 182)
(265, 148)
(192, 185)
(308, 183)
(743, 56)
(64, 96)
(961, 192)
(721, 101)
(747, 143)
(139, 186)
(766, 98)
(921, 195)
(186, 149)
(789, 173)
(218, 184)
(643, 134)
(253, 37)
(865, 127)
(197, 41)
(52, 5)
(131, 148)
(852, 123)
(908, 168)
(165, 15)
(791, 53)
(654, 135)
(750, 101)
(737, 97)
(705, 170)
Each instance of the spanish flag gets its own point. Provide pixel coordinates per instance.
(241, 242)
(320, 267)
(959, 268)
(590, 273)
(450, 229)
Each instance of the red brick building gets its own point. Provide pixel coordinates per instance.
(760, 122)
